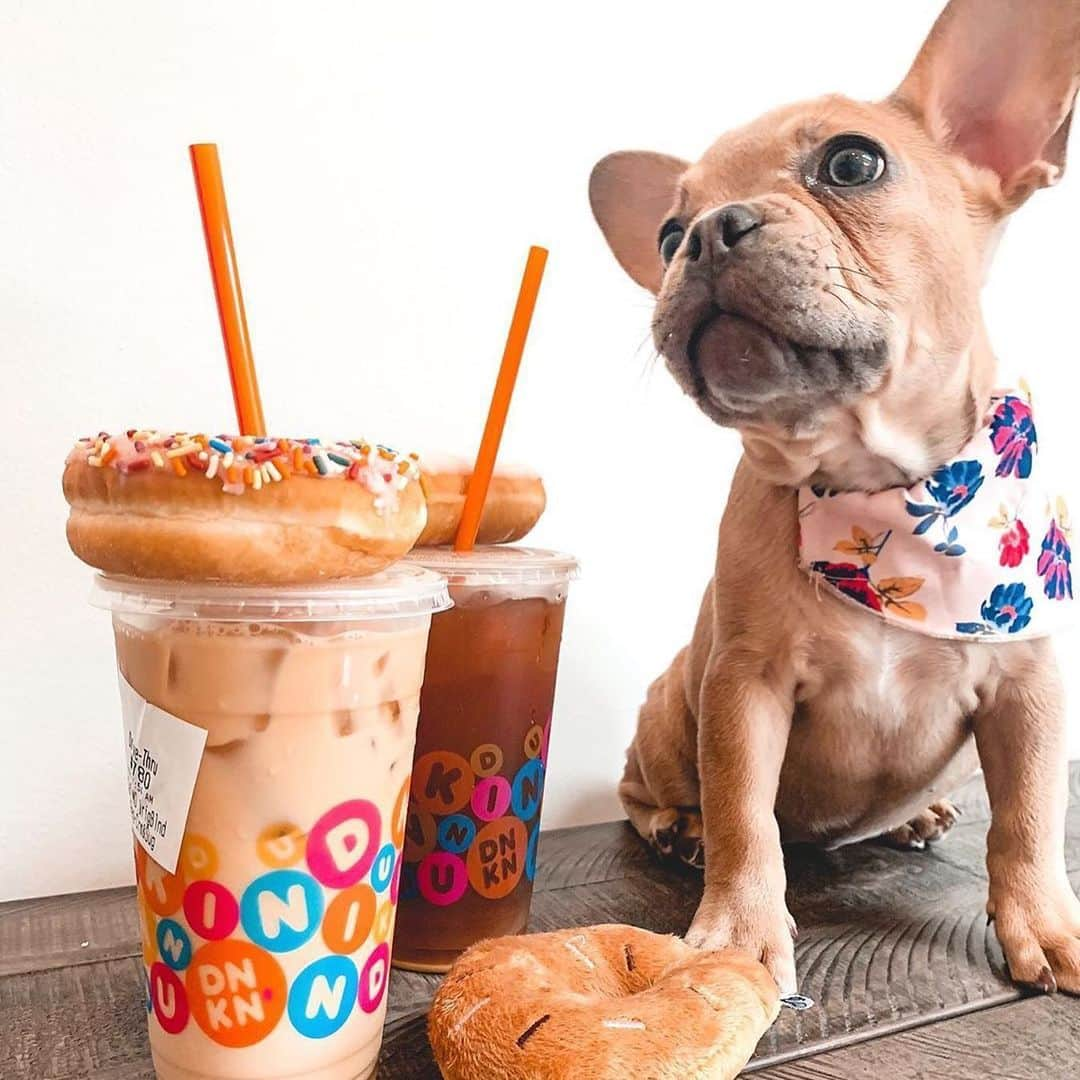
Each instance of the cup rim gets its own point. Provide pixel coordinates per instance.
(399, 591)
(498, 564)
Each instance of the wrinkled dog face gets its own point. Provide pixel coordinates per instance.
(770, 309)
(795, 255)
(818, 271)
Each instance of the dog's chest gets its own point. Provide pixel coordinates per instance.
(882, 726)
(870, 678)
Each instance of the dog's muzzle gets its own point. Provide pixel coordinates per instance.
(734, 357)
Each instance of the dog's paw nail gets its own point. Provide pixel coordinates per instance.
(1046, 981)
(664, 840)
(692, 852)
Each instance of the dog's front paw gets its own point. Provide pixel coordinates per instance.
(1040, 935)
(737, 919)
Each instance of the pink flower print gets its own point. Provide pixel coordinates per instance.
(1014, 544)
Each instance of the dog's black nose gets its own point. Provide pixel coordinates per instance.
(736, 220)
(720, 230)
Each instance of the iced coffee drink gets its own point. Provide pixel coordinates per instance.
(268, 949)
(473, 821)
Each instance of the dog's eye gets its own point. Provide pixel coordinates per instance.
(851, 162)
(671, 236)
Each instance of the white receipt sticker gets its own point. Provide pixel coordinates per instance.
(163, 757)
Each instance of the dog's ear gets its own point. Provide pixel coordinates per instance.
(995, 82)
(631, 192)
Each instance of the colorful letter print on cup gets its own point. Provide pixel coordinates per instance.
(481, 752)
(303, 947)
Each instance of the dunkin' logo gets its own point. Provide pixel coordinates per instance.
(236, 992)
(468, 824)
(496, 860)
(212, 955)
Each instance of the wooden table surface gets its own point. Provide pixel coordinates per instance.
(893, 946)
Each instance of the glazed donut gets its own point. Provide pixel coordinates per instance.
(603, 1002)
(514, 503)
(234, 509)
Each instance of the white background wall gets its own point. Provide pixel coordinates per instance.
(387, 166)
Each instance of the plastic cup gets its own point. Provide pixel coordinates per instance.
(267, 951)
(481, 754)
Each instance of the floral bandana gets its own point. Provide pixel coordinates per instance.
(977, 550)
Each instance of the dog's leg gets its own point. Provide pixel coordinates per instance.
(1020, 733)
(672, 831)
(742, 739)
(659, 788)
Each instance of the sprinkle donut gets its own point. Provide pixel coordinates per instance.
(606, 1002)
(514, 503)
(240, 509)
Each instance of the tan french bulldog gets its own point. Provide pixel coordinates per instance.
(817, 275)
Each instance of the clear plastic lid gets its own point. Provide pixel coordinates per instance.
(498, 564)
(399, 591)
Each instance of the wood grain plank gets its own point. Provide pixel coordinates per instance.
(589, 853)
(890, 940)
(1035, 1038)
(56, 931)
(83, 1021)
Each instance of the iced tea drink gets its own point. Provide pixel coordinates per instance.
(267, 947)
(478, 777)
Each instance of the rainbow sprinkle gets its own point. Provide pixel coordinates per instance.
(242, 463)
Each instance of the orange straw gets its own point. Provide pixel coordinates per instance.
(226, 277)
(500, 400)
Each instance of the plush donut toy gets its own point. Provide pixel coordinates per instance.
(238, 509)
(604, 1003)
